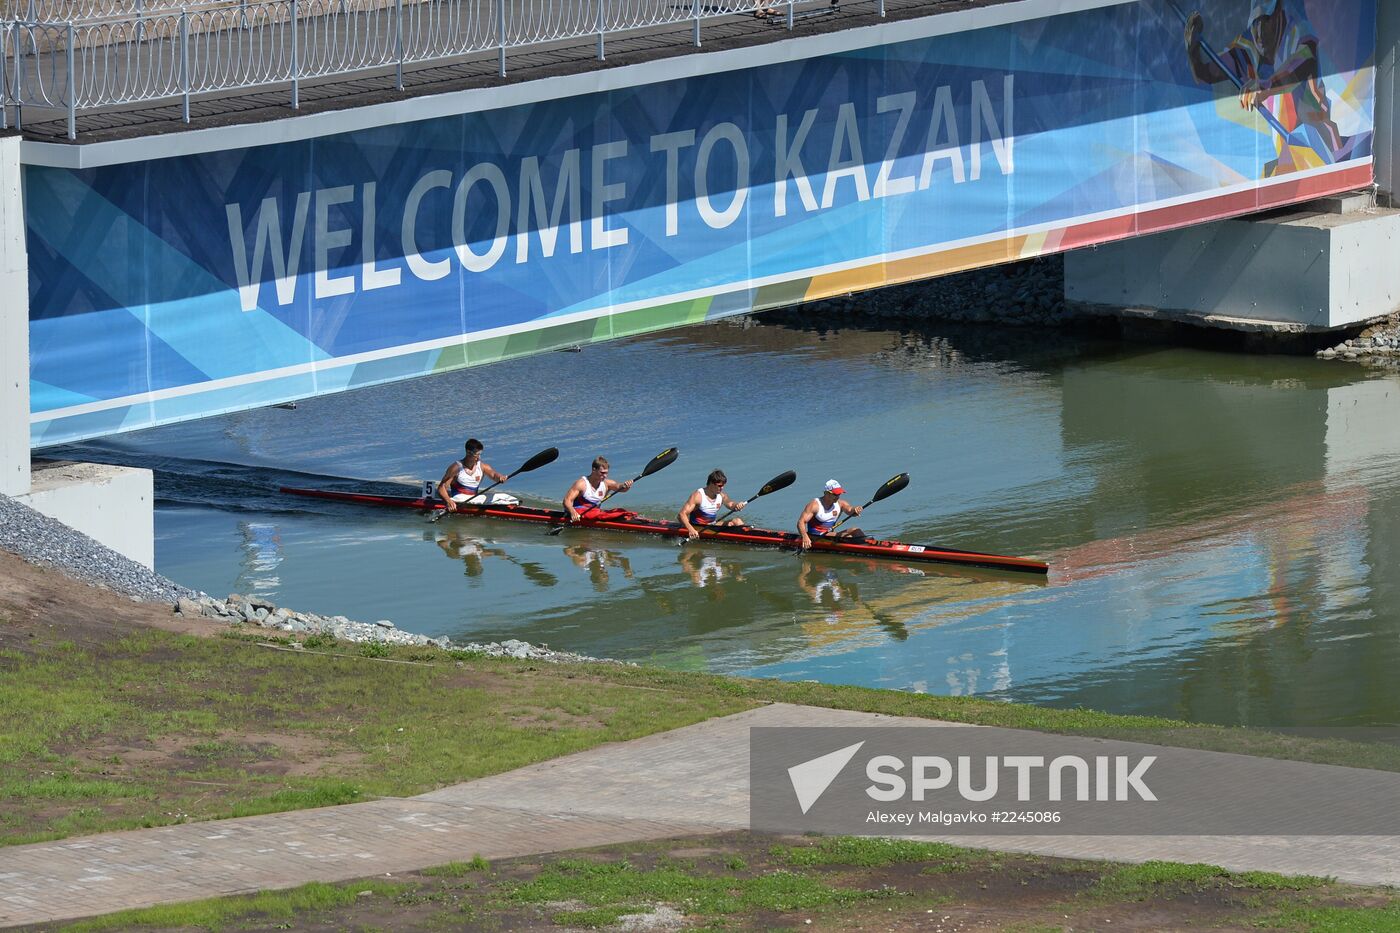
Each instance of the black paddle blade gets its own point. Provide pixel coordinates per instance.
(661, 461)
(892, 486)
(543, 458)
(782, 481)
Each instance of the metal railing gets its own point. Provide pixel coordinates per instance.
(133, 51)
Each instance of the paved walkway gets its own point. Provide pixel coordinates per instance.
(688, 781)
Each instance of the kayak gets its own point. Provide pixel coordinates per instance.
(734, 534)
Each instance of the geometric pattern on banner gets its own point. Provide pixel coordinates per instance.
(186, 286)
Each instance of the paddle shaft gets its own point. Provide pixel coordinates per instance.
(543, 458)
(850, 515)
(701, 528)
(880, 493)
(559, 528)
(762, 492)
(732, 511)
(888, 488)
(658, 463)
(619, 489)
(776, 484)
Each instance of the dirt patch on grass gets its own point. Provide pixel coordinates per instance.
(552, 719)
(41, 607)
(262, 753)
(727, 882)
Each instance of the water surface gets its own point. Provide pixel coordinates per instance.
(1224, 530)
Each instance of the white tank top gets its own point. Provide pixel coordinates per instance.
(594, 495)
(826, 517)
(709, 508)
(470, 479)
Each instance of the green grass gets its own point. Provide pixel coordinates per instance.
(1268, 881)
(459, 869)
(1137, 882)
(386, 729)
(614, 889)
(871, 853)
(1154, 879)
(219, 913)
(375, 649)
(972, 710)
(67, 787)
(397, 729)
(1331, 919)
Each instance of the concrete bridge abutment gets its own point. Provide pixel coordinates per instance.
(113, 505)
(1326, 266)
(14, 326)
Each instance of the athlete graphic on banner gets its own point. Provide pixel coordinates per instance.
(1276, 65)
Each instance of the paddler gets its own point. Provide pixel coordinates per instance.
(463, 478)
(702, 508)
(823, 512)
(586, 495)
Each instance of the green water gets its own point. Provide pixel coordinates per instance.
(1223, 530)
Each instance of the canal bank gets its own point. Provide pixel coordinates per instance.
(115, 723)
(122, 724)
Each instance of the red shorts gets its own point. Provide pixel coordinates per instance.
(595, 514)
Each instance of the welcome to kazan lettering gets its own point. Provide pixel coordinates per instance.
(814, 164)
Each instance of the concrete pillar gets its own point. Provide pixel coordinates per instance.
(14, 327)
(1303, 272)
(111, 504)
(1387, 144)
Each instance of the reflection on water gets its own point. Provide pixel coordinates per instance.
(595, 561)
(1223, 530)
(709, 571)
(470, 551)
(845, 613)
(262, 553)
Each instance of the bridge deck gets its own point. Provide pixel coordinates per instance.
(271, 102)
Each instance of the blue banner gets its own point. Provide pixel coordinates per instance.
(186, 286)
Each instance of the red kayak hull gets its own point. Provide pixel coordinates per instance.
(754, 537)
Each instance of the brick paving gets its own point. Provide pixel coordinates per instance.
(688, 781)
(115, 871)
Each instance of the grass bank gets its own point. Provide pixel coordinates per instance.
(747, 881)
(151, 727)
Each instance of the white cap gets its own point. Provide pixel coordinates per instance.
(832, 486)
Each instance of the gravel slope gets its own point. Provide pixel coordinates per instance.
(44, 541)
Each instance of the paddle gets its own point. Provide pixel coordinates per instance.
(660, 462)
(543, 458)
(781, 481)
(891, 486)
